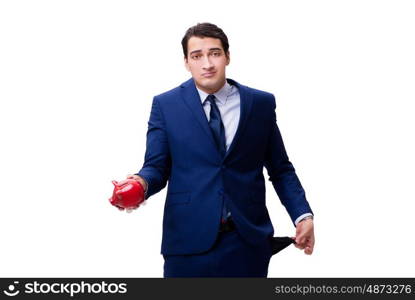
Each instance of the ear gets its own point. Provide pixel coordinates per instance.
(228, 58)
(186, 64)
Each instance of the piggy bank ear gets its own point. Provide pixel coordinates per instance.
(115, 183)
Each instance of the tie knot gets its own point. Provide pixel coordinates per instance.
(211, 98)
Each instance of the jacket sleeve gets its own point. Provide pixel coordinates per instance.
(157, 160)
(282, 173)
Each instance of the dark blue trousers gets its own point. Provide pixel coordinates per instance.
(230, 256)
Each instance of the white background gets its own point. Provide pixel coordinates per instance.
(76, 84)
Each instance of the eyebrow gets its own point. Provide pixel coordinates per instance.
(210, 49)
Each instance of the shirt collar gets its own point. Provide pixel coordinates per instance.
(221, 95)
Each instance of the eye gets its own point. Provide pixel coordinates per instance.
(196, 56)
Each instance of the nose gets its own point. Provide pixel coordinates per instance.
(207, 64)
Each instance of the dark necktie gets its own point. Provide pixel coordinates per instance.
(218, 132)
(216, 125)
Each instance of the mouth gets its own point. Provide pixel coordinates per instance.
(208, 74)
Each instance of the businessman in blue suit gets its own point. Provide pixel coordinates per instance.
(210, 139)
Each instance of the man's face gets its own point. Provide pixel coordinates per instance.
(206, 60)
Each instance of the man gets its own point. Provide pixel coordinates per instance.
(210, 138)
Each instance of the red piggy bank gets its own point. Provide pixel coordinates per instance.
(127, 194)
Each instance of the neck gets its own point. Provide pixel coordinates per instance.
(213, 90)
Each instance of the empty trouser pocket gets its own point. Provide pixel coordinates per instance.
(280, 243)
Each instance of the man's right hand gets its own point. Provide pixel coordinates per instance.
(139, 179)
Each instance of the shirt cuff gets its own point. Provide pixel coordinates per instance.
(300, 218)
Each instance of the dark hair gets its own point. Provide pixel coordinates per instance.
(205, 30)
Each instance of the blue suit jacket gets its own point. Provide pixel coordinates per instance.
(181, 150)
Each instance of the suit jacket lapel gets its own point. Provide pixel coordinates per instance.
(245, 109)
(192, 100)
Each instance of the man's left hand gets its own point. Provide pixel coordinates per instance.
(304, 236)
